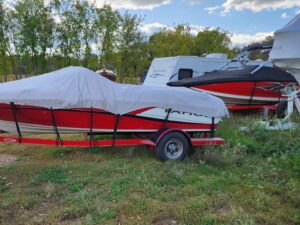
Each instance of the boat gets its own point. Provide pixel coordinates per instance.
(77, 100)
(242, 88)
(242, 83)
(109, 74)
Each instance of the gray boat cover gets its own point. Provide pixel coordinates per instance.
(78, 87)
(292, 26)
(286, 48)
(287, 41)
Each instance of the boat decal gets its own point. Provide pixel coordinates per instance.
(275, 99)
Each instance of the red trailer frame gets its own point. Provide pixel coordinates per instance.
(163, 144)
(106, 143)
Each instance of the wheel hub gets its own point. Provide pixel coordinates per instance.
(173, 149)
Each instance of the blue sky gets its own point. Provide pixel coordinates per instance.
(247, 20)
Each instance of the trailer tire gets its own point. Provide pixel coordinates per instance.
(173, 146)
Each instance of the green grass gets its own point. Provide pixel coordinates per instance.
(253, 179)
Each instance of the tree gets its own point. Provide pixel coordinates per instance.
(68, 32)
(34, 33)
(37, 37)
(85, 16)
(209, 41)
(45, 34)
(4, 42)
(171, 42)
(130, 39)
(106, 26)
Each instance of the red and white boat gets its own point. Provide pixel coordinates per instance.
(77, 100)
(247, 87)
(109, 74)
(71, 96)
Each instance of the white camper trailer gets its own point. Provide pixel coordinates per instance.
(163, 70)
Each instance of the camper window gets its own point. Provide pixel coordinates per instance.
(185, 73)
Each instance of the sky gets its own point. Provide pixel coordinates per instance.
(246, 20)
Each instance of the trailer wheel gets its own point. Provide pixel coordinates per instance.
(172, 146)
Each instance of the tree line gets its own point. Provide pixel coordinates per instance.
(37, 36)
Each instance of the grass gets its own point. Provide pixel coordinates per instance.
(253, 179)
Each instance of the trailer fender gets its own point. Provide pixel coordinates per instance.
(161, 133)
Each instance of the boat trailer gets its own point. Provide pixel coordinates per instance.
(170, 144)
(106, 143)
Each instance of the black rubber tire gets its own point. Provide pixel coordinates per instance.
(177, 136)
(281, 108)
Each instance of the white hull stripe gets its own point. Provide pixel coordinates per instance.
(237, 96)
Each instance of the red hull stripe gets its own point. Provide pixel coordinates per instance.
(249, 107)
(260, 89)
(106, 143)
(101, 121)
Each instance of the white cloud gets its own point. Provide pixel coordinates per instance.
(298, 11)
(285, 16)
(211, 10)
(132, 4)
(240, 40)
(195, 29)
(195, 1)
(259, 5)
(152, 28)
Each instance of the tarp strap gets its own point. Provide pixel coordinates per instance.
(92, 138)
(14, 110)
(212, 129)
(167, 116)
(115, 129)
(58, 138)
(252, 94)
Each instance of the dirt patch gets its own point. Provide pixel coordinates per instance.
(122, 219)
(221, 206)
(6, 159)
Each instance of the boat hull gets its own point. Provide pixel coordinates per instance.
(149, 120)
(246, 93)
